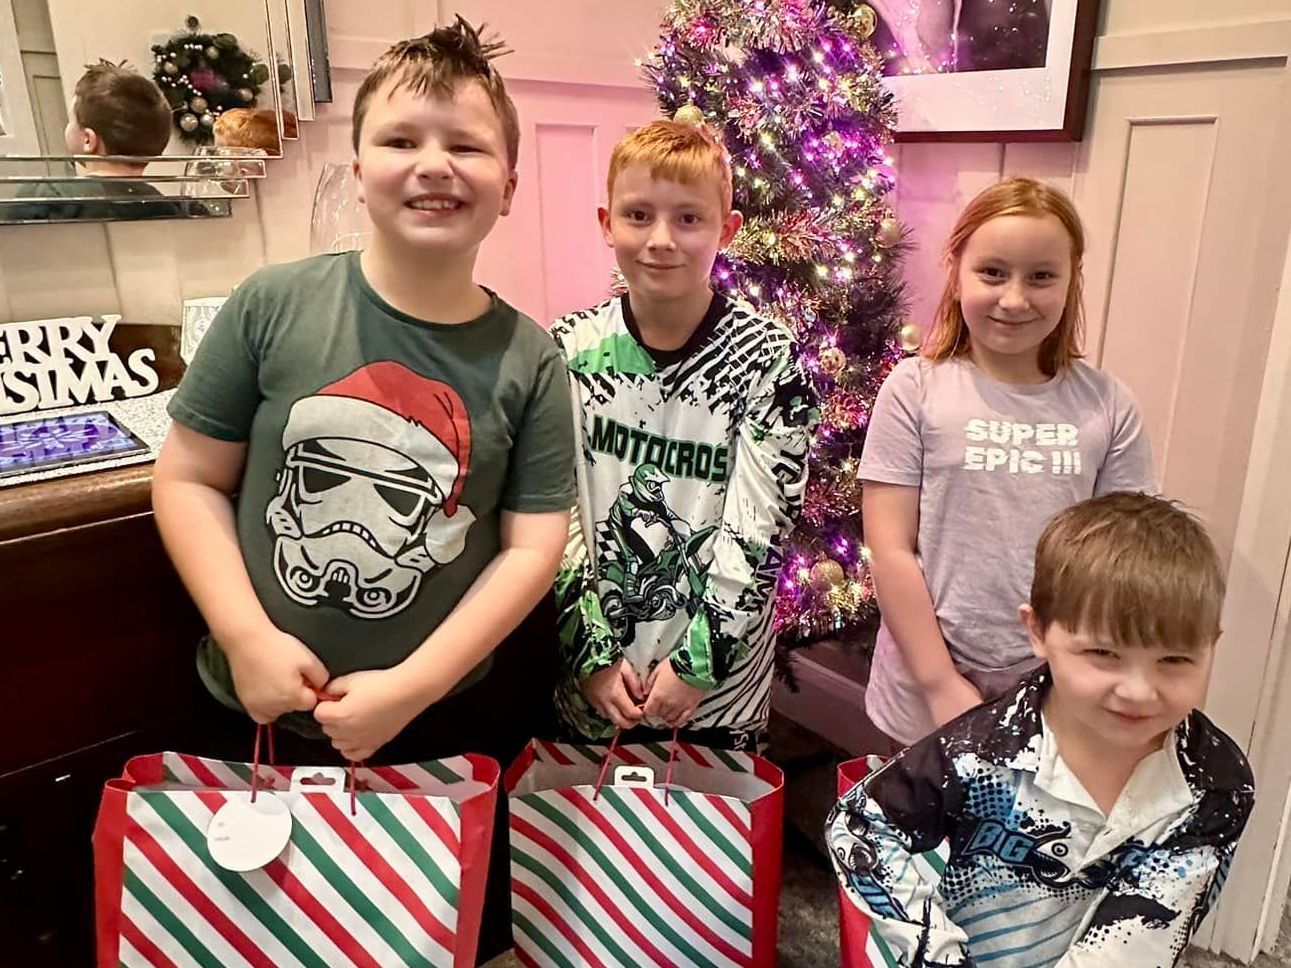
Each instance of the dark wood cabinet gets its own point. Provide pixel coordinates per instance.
(97, 640)
(96, 647)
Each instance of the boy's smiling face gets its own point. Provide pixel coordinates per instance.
(666, 234)
(1125, 697)
(433, 172)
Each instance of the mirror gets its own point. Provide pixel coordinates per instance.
(207, 57)
(315, 51)
(71, 197)
(117, 102)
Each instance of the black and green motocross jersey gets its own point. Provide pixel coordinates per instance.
(691, 472)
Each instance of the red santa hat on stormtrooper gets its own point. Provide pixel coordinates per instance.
(388, 404)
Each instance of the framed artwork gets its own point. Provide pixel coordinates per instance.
(987, 70)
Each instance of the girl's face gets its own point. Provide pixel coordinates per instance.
(1013, 277)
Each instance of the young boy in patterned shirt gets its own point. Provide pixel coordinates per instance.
(1092, 812)
(695, 421)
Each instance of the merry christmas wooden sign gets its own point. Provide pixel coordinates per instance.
(51, 363)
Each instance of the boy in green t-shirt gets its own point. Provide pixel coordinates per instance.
(401, 445)
(399, 438)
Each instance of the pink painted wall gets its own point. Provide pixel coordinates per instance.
(577, 91)
(547, 257)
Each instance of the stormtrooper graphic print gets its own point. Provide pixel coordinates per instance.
(368, 494)
(692, 469)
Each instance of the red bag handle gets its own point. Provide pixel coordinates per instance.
(609, 755)
(266, 730)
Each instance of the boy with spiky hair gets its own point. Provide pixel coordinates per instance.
(400, 443)
(1092, 812)
(696, 419)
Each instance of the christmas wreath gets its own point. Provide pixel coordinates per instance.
(203, 75)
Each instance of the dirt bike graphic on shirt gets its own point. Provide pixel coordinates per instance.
(655, 572)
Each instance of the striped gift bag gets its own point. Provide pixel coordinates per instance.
(390, 873)
(859, 946)
(647, 874)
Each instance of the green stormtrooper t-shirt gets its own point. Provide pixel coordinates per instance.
(381, 451)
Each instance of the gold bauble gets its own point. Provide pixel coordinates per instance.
(826, 575)
(911, 338)
(689, 114)
(833, 360)
(889, 232)
(862, 21)
(834, 140)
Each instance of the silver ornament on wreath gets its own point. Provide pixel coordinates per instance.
(188, 122)
(170, 68)
(212, 53)
(198, 105)
(246, 94)
(207, 120)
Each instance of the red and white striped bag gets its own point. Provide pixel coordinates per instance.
(859, 946)
(632, 872)
(386, 870)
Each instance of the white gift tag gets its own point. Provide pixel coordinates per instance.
(633, 776)
(244, 836)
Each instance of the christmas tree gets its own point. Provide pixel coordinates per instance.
(795, 91)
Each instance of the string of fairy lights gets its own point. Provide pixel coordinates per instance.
(794, 88)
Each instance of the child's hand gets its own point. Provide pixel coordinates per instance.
(615, 692)
(363, 711)
(669, 699)
(274, 673)
(952, 697)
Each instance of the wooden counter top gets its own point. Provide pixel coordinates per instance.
(93, 496)
(96, 653)
(80, 499)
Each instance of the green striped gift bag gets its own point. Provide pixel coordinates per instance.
(859, 946)
(387, 872)
(638, 873)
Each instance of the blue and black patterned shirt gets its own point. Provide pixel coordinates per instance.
(1036, 875)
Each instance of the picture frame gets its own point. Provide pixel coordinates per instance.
(986, 70)
(319, 59)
